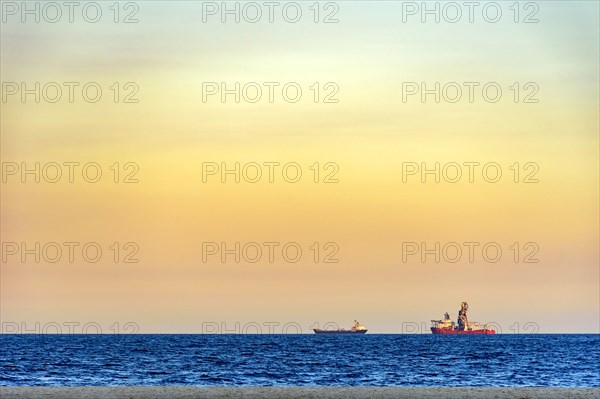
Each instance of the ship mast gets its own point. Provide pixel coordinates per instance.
(463, 321)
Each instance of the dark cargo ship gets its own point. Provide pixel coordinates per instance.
(463, 326)
(357, 328)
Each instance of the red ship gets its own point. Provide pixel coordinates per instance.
(464, 326)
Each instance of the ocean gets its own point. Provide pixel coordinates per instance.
(304, 360)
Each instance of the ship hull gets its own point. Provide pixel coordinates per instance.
(451, 331)
(351, 332)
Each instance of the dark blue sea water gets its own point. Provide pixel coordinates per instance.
(501, 360)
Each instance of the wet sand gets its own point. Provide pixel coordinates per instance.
(193, 392)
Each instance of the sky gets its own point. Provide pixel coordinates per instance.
(375, 217)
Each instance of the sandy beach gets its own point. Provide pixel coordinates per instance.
(194, 392)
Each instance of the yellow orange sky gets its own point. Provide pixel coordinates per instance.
(368, 134)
